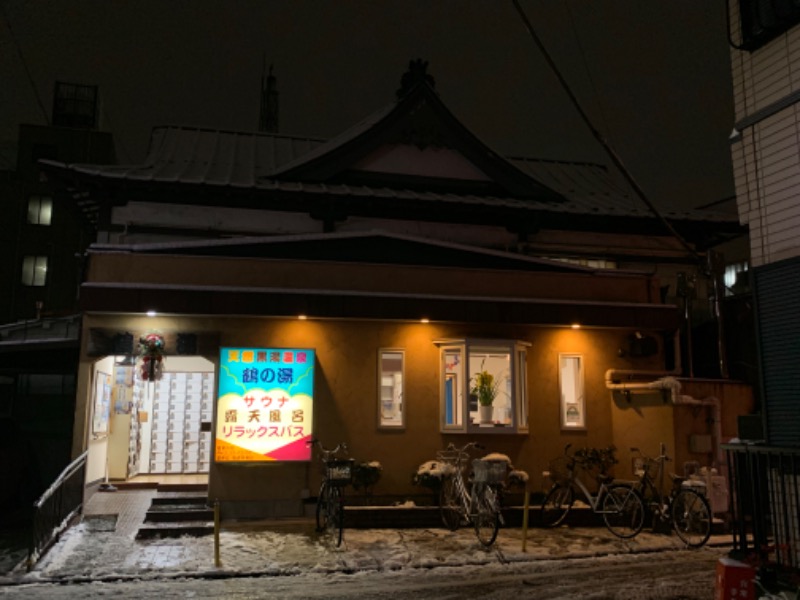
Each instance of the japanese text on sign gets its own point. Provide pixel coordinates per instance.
(265, 404)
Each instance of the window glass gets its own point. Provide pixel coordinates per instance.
(34, 270)
(736, 278)
(391, 388)
(74, 105)
(490, 400)
(522, 374)
(40, 210)
(484, 386)
(764, 20)
(453, 388)
(573, 404)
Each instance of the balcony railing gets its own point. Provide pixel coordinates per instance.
(55, 509)
(765, 507)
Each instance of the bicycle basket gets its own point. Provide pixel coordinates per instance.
(558, 470)
(489, 471)
(642, 465)
(340, 471)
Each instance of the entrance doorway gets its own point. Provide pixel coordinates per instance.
(153, 428)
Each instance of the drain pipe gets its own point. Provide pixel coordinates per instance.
(667, 384)
(616, 378)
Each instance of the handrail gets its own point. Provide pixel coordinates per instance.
(56, 507)
(68, 470)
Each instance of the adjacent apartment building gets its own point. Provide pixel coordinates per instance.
(765, 59)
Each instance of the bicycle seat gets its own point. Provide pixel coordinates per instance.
(603, 478)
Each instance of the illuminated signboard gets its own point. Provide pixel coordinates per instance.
(265, 404)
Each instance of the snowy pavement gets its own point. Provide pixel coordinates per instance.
(88, 553)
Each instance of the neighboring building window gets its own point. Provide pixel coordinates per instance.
(483, 386)
(764, 20)
(593, 263)
(75, 105)
(34, 270)
(736, 278)
(40, 210)
(573, 401)
(391, 408)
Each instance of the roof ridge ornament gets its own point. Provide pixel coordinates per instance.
(417, 73)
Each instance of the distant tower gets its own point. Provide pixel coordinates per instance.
(268, 121)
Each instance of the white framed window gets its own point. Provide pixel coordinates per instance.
(391, 388)
(573, 400)
(34, 271)
(483, 386)
(40, 210)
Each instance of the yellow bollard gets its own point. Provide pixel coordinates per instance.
(216, 534)
(525, 520)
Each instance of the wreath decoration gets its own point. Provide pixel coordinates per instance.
(151, 353)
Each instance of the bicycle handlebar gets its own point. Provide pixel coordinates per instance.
(456, 455)
(327, 453)
(661, 457)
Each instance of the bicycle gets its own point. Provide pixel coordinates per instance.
(686, 510)
(336, 474)
(619, 503)
(480, 506)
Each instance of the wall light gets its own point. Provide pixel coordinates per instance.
(424, 320)
(576, 325)
(302, 317)
(151, 313)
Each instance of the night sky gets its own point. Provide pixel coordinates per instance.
(653, 75)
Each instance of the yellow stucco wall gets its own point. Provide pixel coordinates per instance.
(346, 395)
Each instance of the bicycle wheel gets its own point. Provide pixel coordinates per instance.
(557, 504)
(335, 512)
(322, 507)
(691, 517)
(623, 511)
(450, 504)
(487, 516)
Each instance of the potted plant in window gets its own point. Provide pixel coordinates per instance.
(485, 389)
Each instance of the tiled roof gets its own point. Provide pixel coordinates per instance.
(190, 155)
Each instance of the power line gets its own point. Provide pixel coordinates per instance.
(599, 136)
(25, 66)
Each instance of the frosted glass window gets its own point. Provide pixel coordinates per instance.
(391, 389)
(34, 271)
(40, 210)
(573, 403)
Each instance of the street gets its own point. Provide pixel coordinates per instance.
(673, 574)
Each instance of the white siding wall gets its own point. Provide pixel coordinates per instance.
(766, 159)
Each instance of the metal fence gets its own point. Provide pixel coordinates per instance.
(765, 489)
(55, 509)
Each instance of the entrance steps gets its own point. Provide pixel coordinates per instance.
(177, 510)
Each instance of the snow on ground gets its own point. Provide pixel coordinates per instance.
(282, 548)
